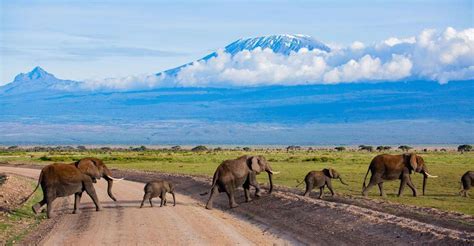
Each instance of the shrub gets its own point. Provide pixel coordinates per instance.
(199, 148)
(405, 148)
(366, 147)
(340, 148)
(464, 148)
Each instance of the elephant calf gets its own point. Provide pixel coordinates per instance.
(320, 179)
(158, 188)
(467, 181)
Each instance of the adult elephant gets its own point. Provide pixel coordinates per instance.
(239, 172)
(59, 180)
(390, 167)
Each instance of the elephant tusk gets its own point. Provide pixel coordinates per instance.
(112, 178)
(430, 176)
(272, 172)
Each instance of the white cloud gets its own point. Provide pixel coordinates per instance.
(432, 55)
(442, 56)
(124, 83)
(357, 45)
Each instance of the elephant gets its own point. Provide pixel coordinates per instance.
(467, 181)
(320, 179)
(158, 188)
(391, 167)
(242, 171)
(60, 180)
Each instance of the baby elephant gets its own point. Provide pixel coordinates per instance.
(467, 181)
(320, 179)
(158, 188)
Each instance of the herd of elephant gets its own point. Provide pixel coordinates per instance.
(60, 180)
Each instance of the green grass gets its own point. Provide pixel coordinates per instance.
(442, 193)
(22, 214)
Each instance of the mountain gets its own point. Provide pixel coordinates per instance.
(38, 81)
(282, 44)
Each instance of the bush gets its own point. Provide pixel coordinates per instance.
(405, 148)
(383, 148)
(177, 147)
(45, 158)
(464, 148)
(366, 147)
(319, 159)
(199, 148)
(340, 148)
(246, 149)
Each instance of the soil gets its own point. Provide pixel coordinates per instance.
(284, 217)
(13, 189)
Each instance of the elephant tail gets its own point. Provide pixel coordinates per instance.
(368, 169)
(299, 183)
(214, 181)
(37, 185)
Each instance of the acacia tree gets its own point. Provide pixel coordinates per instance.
(340, 148)
(464, 148)
(405, 148)
(366, 147)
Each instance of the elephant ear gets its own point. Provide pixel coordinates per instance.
(88, 167)
(331, 173)
(413, 161)
(253, 164)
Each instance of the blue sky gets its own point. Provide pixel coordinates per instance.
(96, 39)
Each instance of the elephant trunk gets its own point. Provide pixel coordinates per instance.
(344, 183)
(426, 175)
(110, 181)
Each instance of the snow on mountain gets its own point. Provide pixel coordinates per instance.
(38, 80)
(281, 44)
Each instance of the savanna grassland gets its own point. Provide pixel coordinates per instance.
(442, 192)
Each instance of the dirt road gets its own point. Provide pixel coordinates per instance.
(124, 223)
(284, 217)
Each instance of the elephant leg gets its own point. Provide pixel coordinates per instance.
(321, 192)
(49, 204)
(412, 186)
(163, 198)
(254, 183)
(382, 193)
(77, 201)
(309, 188)
(91, 192)
(247, 191)
(403, 182)
(330, 189)
(214, 190)
(231, 194)
(145, 197)
(37, 207)
(373, 181)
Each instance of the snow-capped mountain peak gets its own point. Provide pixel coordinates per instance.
(38, 80)
(36, 74)
(283, 44)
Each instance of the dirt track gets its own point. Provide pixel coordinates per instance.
(295, 219)
(124, 223)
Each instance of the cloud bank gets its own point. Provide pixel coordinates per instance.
(440, 56)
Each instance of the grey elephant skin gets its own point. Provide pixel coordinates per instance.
(60, 180)
(242, 171)
(467, 180)
(320, 179)
(391, 167)
(158, 188)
